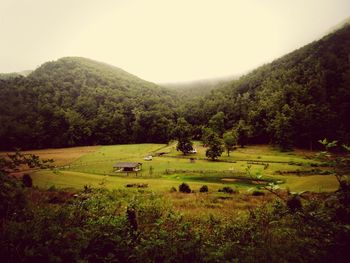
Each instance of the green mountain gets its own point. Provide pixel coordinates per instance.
(78, 101)
(293, 101)
(296, 100)
(82, 70)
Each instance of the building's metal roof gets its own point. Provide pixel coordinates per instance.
(125, 165)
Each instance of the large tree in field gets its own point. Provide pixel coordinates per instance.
(182, 132)
(215, 147)
(229, 142)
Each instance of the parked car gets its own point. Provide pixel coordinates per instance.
(148, 158)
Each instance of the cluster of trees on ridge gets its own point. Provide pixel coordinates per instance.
(213, 136)
(293, 101)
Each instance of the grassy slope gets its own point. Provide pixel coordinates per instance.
(94, 168)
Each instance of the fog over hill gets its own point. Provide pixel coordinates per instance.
(197, 87)
(295, 100)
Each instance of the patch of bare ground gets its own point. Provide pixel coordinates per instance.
(61, 156)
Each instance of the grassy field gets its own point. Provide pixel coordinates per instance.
(93, 166)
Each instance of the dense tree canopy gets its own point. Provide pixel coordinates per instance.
(182, 132)
(230, 141)
(293, 101)
(215, 148)
(77, 101)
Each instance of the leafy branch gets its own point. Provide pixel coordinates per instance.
(11, 162)
(339, 163)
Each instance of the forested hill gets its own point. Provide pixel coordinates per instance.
(295, 100)
(78, 101)
(89, 73)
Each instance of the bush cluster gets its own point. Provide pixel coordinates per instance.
(204, 189)
(228, 190)
(184, 188)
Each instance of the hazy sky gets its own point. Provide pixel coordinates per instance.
(161, 40)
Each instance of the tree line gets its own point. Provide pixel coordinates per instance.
(292, 102)
(76, 101)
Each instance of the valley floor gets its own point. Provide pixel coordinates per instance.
(93, 166)
(76, 167)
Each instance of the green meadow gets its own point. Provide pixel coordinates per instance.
(95, 168)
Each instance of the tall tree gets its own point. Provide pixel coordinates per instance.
(182, 132)
(229, 141)
(215, 147)
(206, 133)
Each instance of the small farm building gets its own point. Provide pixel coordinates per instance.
(127, 167)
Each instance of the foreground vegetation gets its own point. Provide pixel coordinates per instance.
(121, 226)
(140, 225)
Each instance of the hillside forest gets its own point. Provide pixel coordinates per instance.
(292, 102)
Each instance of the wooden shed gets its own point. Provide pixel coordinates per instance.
(127, 167)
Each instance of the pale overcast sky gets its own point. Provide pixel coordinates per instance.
(162, 40)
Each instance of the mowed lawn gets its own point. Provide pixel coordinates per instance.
(94, 167)
(252, 152)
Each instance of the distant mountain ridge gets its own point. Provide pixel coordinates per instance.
(71, 66)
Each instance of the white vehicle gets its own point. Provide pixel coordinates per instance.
(148, 158)
(193, 151)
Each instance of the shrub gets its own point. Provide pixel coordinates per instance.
(132, 218)
(52, 188)
(228, 190)
(184, 188)
(294, 203)
(12, 198)
(258, 193)
(203, 189)
(173, 190)
(87, 189)
(137, 185)
(27, 180)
